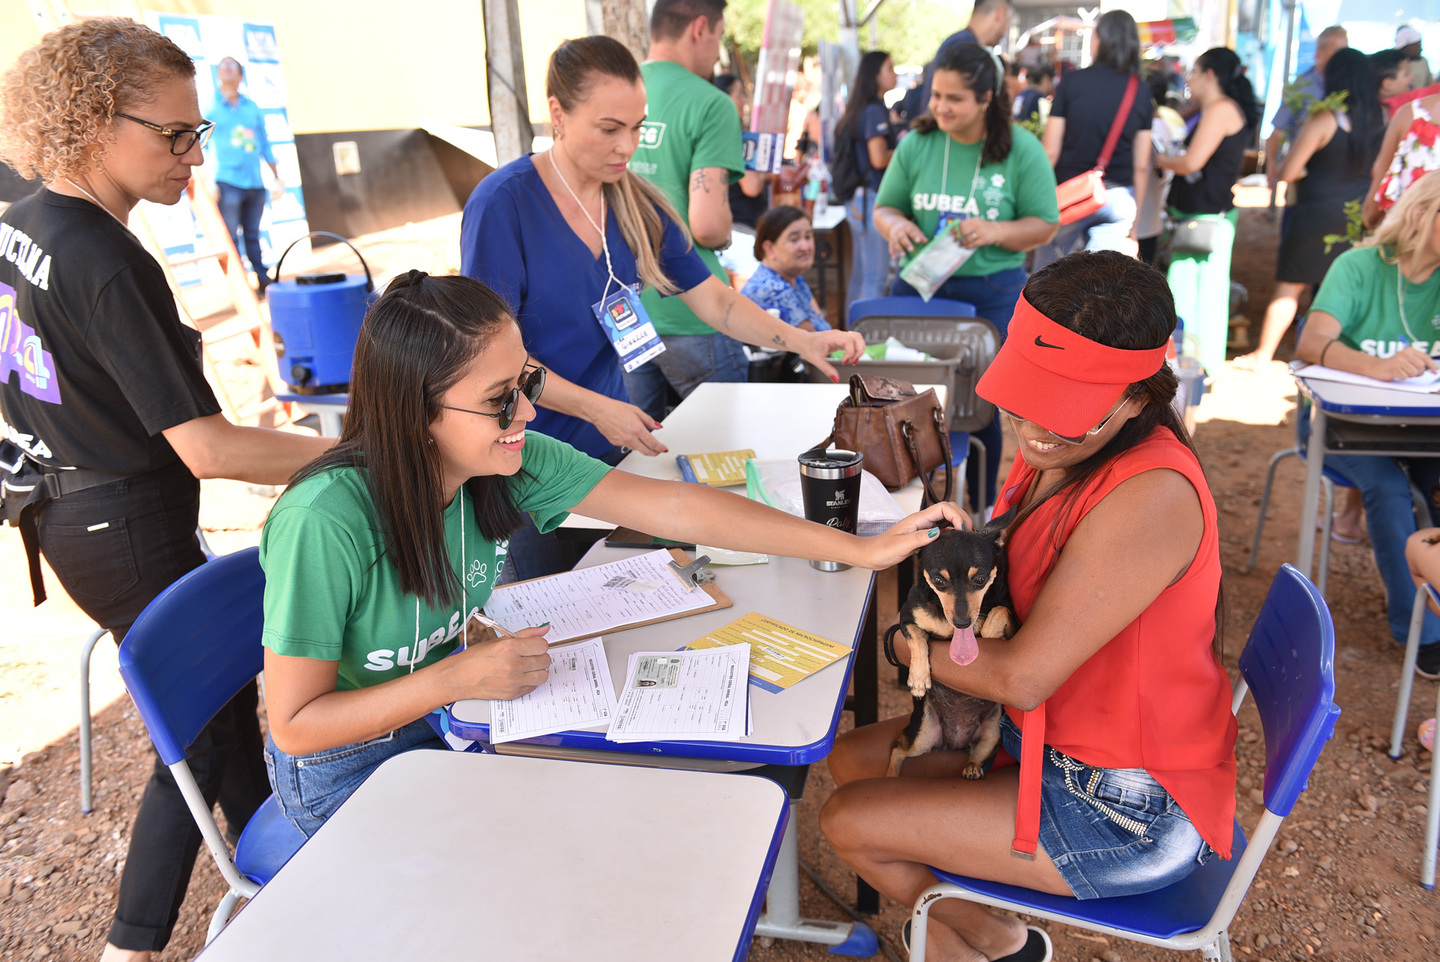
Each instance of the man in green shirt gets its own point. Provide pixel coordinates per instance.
(691, 149)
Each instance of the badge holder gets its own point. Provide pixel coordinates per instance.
(628, 327)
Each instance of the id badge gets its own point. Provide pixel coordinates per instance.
(948, 218)
(629, 328)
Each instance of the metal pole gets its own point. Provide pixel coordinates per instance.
(1285, 79)
(505, 81)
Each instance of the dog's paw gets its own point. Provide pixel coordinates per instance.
(999, 623)
(919, 679)
(973, 771)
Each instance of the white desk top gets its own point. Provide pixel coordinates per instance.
(793, 727)
(444, 855)
(1337, 398)
(775, 420)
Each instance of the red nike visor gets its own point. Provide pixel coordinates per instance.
(1052, 376)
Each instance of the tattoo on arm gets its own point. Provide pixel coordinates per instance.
(700, 182)
(725, 321)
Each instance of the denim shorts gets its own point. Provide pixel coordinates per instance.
(311, 787)
(1110, 831)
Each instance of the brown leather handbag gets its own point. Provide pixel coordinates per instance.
(900, 431)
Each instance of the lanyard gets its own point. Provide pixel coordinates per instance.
(604, 242)
(945, 170)
(1400, 300)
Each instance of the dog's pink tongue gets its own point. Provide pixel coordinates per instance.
(963, 648)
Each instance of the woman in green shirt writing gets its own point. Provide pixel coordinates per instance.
(380, 553)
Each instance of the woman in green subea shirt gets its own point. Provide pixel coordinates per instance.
(381, 552)
(967, 167)
(1378, 313)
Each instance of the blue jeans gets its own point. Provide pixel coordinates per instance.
(869, 251)
(242, 207)
(1104, 230)
(1097, 856)
(1384, 484)
(994, 297)
(688, 362)
(311, 787)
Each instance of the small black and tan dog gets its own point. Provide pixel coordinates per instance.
(961, 592)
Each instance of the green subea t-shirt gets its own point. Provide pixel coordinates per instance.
(332, 594)
(1360, 291)
(690, 124)
(933, 174)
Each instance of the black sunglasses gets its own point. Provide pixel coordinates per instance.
(531, 387)
(181, 141)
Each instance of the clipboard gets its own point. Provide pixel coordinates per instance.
(718, 600)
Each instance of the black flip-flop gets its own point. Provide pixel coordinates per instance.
(1037, 947)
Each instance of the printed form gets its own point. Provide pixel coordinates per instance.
(782, 653)
(587, 601)
(682, 695)
(576, 695)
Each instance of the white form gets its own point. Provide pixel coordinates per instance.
(588, 601)
(576, 695)
(682, 695)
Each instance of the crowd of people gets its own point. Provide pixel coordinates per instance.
(486, 406)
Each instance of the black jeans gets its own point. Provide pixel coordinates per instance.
(114, 548)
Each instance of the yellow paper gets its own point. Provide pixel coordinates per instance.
(780, 655)
(718, 469)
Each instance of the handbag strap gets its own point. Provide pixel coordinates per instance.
(1113, 139)
(907, 430)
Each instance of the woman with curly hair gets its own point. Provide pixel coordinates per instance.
(104, 403)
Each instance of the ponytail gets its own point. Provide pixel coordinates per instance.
(1229, 72)
(641, 209)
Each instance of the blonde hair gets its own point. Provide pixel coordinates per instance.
(640, 207)
(1407, 226)
(58, 100)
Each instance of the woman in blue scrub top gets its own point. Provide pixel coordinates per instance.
(531, 231)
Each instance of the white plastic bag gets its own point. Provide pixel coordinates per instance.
(777, 483)
(934, 263)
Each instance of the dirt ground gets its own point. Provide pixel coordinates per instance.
(1343, 882)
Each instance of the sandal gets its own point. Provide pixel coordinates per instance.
(1338, 536)
(1037, 947)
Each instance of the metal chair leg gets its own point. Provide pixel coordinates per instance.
(86, 794)
(1327, 488)
(1407, 675)
(1275, 459)
(1432, 820)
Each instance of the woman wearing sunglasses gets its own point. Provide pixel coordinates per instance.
(379, 554)
(1126, 780)
(105, 406)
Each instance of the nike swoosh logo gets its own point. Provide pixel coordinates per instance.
(1053, 347)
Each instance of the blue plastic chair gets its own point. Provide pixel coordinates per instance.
(939, 307)
(911, 306)
(1289, 666)
(87, 794)
(191, 650)
(1397, 731)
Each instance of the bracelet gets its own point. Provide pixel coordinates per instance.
(1328, 344)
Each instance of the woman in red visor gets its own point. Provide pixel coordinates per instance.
(1115, 701)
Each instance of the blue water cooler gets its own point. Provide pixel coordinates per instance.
(316, 319)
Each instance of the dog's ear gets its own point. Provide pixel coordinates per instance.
(997, 527)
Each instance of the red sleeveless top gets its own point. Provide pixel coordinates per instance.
(1154, 697)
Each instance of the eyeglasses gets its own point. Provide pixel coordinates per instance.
(1082, 438)
(531, 387)
(181, 141)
